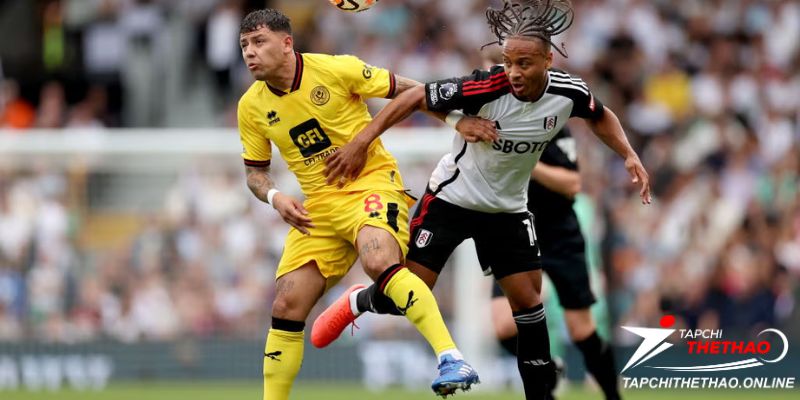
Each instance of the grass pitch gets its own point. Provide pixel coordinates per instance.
(224, 391)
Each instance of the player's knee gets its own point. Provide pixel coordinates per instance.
(283, 307)
(505, 328)
(503, 319)
(522, 301)
(580, 324)
(373, 268)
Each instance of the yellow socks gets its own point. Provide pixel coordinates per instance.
(414, 300)
(283, 355)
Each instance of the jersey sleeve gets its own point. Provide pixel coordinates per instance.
(585, 105)
(468, 93)
(256, 148)
(363, 79)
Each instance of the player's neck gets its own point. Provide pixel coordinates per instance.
(285, 76)
(539, 91)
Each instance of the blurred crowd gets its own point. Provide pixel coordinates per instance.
(708, 91)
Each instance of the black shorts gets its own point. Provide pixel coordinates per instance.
(505, 242)
(570, 276)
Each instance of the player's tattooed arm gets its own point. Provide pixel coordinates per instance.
(259, 181)
(372, 245)
(290, 209)
(402, 84)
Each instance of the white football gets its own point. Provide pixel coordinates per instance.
(353, 5)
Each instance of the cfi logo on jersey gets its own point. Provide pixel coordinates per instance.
(423, 238)
(447, 90)
(550, 123)
(320, 95)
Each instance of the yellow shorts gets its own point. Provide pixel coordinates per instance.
(337, 218)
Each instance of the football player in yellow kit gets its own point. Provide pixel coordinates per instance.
(309, 105)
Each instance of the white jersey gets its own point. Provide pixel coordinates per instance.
(493, 177)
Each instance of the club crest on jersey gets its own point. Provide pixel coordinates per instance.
(423, 238)
(550, 123)
(320, 95)
(447, 90)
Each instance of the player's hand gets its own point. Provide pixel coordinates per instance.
(476, 129)
(346, 163)
(292, 211)
(639, 175)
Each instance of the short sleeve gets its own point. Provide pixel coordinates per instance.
(256, 148)
(588, 107)
(363, 79)
(585, 105)
(468, 93)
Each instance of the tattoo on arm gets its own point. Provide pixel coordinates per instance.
(372, 245)
(259, 181)
(284, 286)
(403, 84)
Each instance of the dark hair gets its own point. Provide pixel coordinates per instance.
(531, 18)
(273, 19)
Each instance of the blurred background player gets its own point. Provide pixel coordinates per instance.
(308, 105)
(479, 190)
(555, 181)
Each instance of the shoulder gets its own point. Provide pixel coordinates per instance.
(328, 61)
(334, 69)
(566, 84)
(252, 96)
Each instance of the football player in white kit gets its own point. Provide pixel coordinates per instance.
(479, 190)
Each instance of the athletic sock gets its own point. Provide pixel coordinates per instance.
(283, 355)
(599, 358)
(533, 353)
(454, 353)
(414, 299)
(373, 300)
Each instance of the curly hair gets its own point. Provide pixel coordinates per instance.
(531, 18)
(275, 20)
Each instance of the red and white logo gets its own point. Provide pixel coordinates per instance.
(423, 238)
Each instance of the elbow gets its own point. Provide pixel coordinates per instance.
(574, 189)
(251, 186)
(572, 185)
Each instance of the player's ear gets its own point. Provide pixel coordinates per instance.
(548, 62)
(288, 44)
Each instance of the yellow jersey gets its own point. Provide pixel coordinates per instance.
(323, 110)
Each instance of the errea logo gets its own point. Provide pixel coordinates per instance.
(272, 117)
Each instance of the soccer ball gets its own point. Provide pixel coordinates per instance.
(353, 5)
